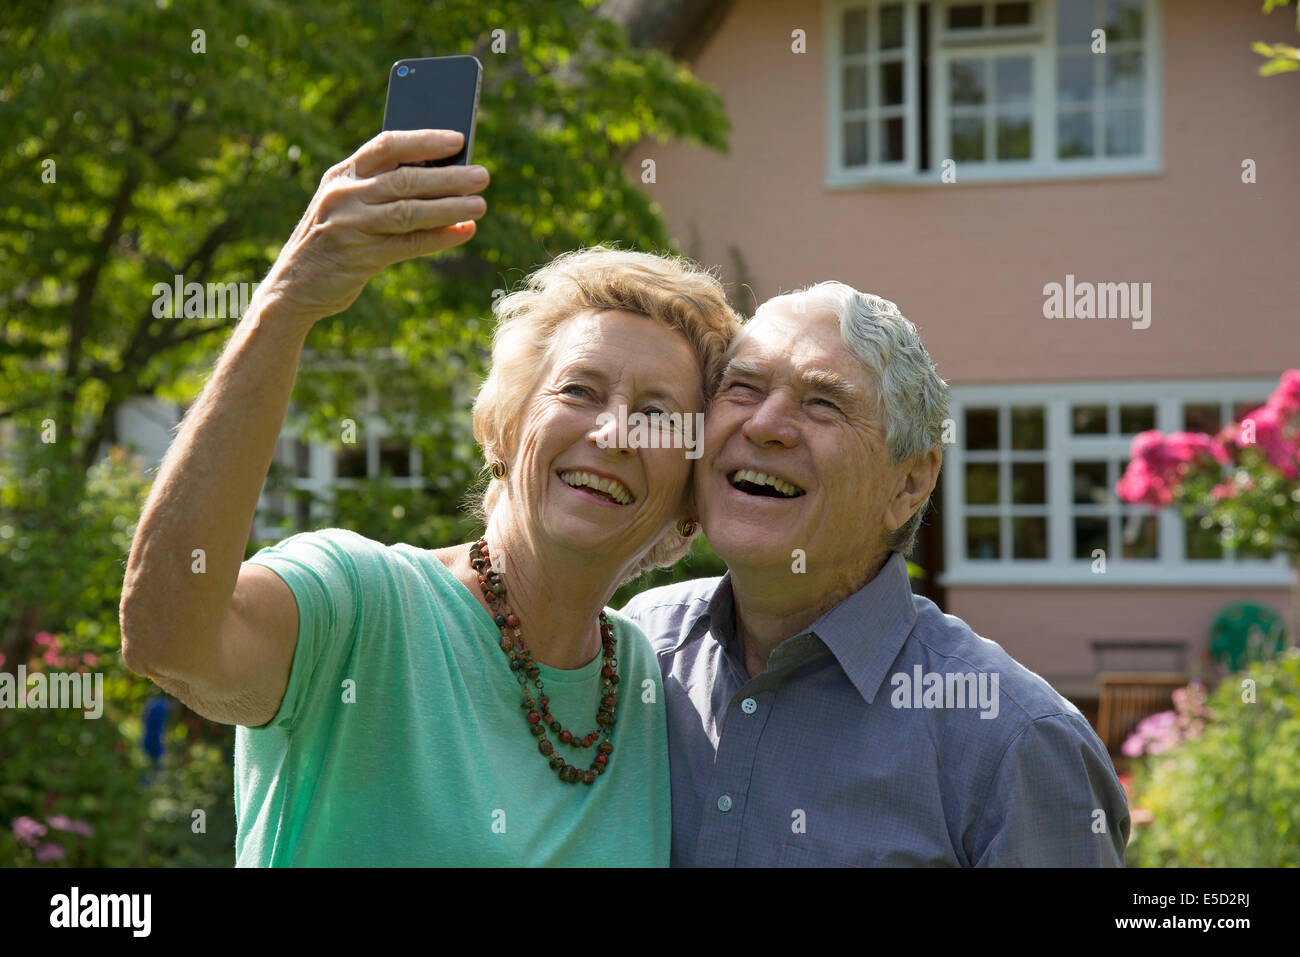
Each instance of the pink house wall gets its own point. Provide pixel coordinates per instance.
(968, 262)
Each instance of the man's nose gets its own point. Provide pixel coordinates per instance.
(773, 420)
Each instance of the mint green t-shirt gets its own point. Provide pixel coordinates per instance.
(401, 741)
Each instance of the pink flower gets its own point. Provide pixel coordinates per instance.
(61, 823)
(1190, 446)
(1286, 397)
(1267, 429)
(1139, 485)
(2, 661)
(27, 830)
(91, 660)
(50, 852)
(46, 639)
(1224, 490)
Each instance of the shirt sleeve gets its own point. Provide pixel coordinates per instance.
(1054, 801)
(321, 569)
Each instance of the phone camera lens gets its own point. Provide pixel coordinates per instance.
(401, 71)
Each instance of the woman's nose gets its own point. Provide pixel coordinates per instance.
(610, 430)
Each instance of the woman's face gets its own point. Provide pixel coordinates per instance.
(605, 367)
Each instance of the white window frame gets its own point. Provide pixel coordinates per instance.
(1038, 43)
(871, 59)
(322, 479)
(1062, 447)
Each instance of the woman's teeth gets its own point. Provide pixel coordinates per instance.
(615, 490)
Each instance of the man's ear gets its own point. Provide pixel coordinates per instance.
(917, 485)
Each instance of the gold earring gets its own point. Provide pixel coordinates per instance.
(686, 528)
(498, 469)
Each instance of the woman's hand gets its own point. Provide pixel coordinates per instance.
(371, 212)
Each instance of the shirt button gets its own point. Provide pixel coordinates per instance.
(749, 706)
(724, 803)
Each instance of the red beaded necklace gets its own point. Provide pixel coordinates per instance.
(521, 663)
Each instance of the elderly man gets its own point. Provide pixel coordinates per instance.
(819, 713)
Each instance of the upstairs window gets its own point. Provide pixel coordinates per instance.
(992, 90)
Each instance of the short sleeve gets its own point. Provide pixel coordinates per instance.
(1054, 801)
(322, 569)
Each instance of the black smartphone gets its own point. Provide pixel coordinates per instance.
(435, 93)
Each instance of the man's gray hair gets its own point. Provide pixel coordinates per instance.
(911, 400)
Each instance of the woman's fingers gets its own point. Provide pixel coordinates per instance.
(420, 182)
(415, 215)
(392, 148)
(413, 245)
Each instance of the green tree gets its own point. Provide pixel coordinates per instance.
(1282, 57)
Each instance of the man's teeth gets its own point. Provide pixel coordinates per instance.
(762, 478)
(615, 490)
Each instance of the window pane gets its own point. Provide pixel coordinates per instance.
(1074, 78)
(1202, 542)
(1090, 486)
(891, 26)
(1089, 533)
(1028, 483)
(982, 429)
(855, 143)
(1124, 76)
(1136, 418)
(893, 141)
(1123, 20)
(395, 459)
(1202, 418)
(1012, 14)
(1139, 534)
(1243, 409)
(855, 31)
(1074, 22)
(966, 82)
(1088, 419)
(1028, 537)
(982, 483)
(982, 538)
(855, 87)
(1012, 81)
(968, 138)
(350, 461)
(1123, 132)
(1074, 135)
(301, 459)
(966, 16)
(1027, 429)
(1015, 137)
(891, 83)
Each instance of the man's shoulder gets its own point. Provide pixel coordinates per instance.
(666, 612)
(948, 644)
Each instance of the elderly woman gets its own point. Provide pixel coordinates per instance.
(471, 705)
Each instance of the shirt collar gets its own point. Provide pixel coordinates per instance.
(865, 632)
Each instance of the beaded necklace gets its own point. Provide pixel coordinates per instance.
(525, 669)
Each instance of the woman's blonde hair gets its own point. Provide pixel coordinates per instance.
(671, 290)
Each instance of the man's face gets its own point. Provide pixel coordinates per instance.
(795, 412)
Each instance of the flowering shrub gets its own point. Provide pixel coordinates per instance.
(1219, 785)
(1258, 503)
(1164, 731)
(79, 791)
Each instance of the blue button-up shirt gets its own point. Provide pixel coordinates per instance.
(886, 734)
